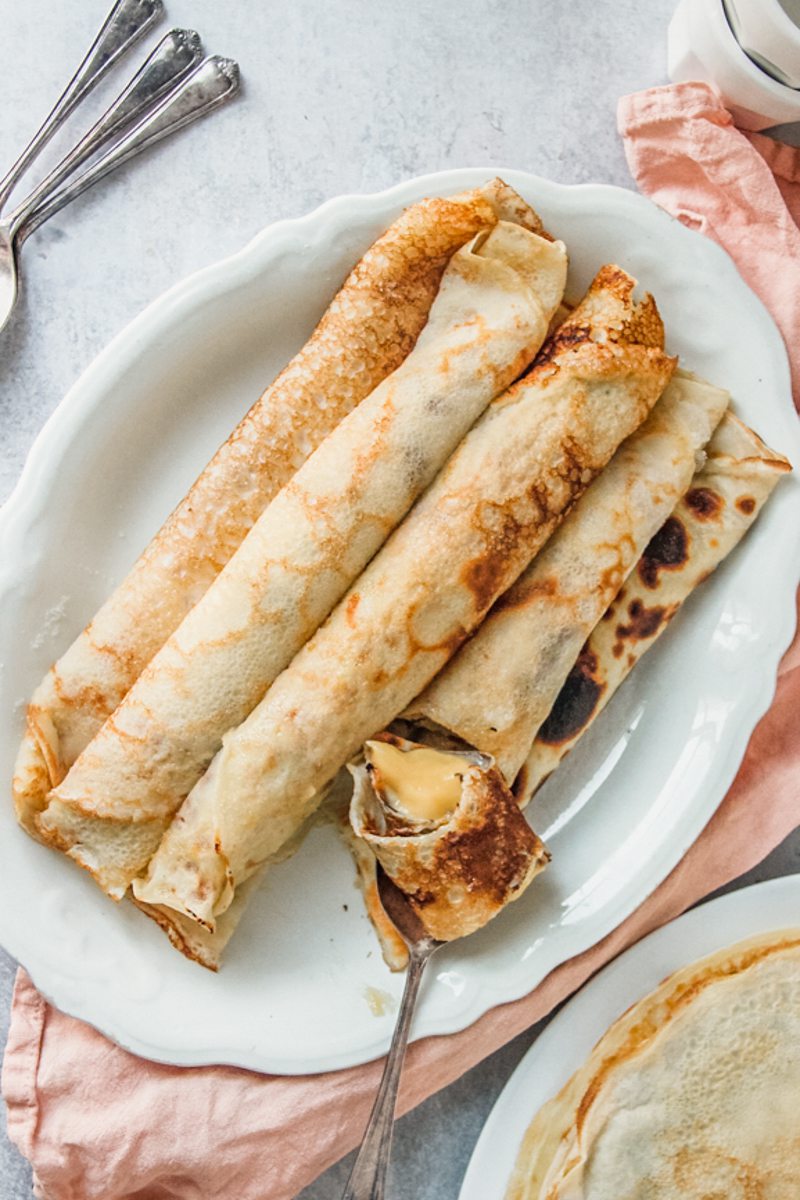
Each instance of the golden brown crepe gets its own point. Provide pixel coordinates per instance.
(722, 503)
(368, 330)
(693, 1094)
(478, 525)
(458, 861)
(495, 693)
(490, 316)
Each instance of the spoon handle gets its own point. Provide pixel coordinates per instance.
(173, 58)
(368, 1177)
(209, 84)
(124, 25)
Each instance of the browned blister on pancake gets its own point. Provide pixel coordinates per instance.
(693, 1093)
(368, 330)
(723, 501)
(460, 870)
(466, 540)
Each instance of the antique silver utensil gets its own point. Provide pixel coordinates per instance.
(368, 1177)
(210, 83)
(174, 86)
(125, 24)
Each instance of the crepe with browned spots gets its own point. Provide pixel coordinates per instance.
(365, 334)
(693, 1093)
(464, 543)
(723, 501)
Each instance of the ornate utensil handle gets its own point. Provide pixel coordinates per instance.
(172, 60)
(124, 25)
(209, 85)
(368, 1177)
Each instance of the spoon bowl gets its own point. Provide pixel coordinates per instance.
(403, 917)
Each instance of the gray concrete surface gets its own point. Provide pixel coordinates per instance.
(342, 96)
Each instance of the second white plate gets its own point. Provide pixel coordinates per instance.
(569, 1038)
(296, 993)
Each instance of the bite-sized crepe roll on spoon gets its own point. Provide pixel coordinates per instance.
(495, 693)
(489, 318)
(454, 850)
(479, 524)
(365, 334)
(446, 829)
(723, 501)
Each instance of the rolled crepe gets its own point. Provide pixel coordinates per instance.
(366, 333)
(495, 693)
(447, 831)
(694, 1093)
(206, 947)
(722, 503)
(479, 524)
(489, 318)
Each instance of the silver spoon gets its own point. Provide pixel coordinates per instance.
(368, 1176)
(172, 60)
(124, 25)
(208, 85)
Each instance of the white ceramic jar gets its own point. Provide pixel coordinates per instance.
(702, 45)
(769, 33)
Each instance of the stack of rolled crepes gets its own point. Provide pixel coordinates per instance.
(557, 645)
(390, 489)
(480, 522)
(560, 642)
(368, 330)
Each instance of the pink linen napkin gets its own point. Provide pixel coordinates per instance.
(741, 189)
(100, 1124)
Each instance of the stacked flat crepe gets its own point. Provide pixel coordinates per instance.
(694, 1093)
(419, 531)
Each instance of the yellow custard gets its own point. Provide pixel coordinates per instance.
(421, 783)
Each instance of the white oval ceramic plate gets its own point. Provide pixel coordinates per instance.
(568, 1039)
(294, 994)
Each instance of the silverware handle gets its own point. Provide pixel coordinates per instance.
(210, 84)
(124, 25)
(368, 1176)
(173, 58)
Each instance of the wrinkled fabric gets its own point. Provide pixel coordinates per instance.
(100, 1124)
(741, 189)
